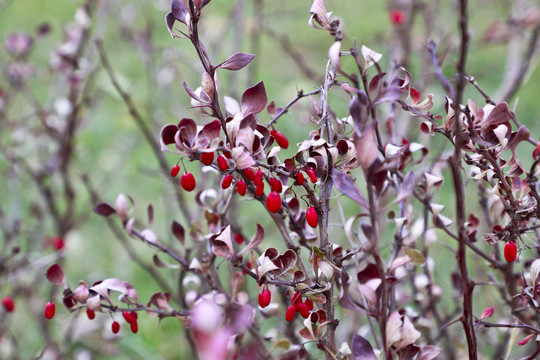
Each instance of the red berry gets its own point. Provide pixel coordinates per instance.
(259, 189)
(311, 217)
(536, 152)
(241, 187)
(276, 185)
(222, 163)
(58, 243)
(134, 315)
(297, 298)
(188, 181)
(510, 251)
(239, 238)
(281, 139)
(207, 158)
(289, 315)
(115, 327)
(8, 303)
(91, 314)
(397, 17)
(227, 181)
(50, 309)
(134, 326)
(227, 154)
(265, 297)
(127, 316)
(311, 174)
(300, 178)
(250, 174)
(175, 170)
(273, 202)
(309, 304)
(303, 310)
(258, 178)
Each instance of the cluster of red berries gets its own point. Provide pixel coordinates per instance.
(303, 308)
(131, 318)
(265, 297)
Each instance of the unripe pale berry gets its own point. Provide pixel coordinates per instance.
(50, 309)
(227, 181)
(311, 217)
(303, 310)
(241, 187)
(222, 163)
(8, 303)
(207, 158)
(276, 185)
(289, 315)
(281, 139)
(188, 181)
(273, 202)
(175, 170)
(265, 297)
(91, 314)
(510, 251)
(115, 327)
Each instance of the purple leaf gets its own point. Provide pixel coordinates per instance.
(179, 11)
(345, 299)
(254, 99)
(55, 274)
(345, 184)
(167, 134)
(104, 209)
(236, 61)
(257, 239)
(366, 147)
(406, 188)
(428, 352)
(169, 20)
(210, 130)
(191, 93)
(388, 95)
(361, 349)
(178, 231)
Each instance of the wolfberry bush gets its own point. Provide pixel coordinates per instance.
(387, 211)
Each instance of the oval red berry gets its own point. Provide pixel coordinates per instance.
(175, 170)
(273, 202)
(309, 304)
(8, 303)
(134, 326)
(300, 178)
(188, 181)
(265, 297)
(115, 327)
(303, 310)
(227, 181)
(510, 251)
(222, 163)
(91, 314)
(289, 315)
(128, 317)
(241, 187)
(276, 185)
(281, 139)
(207, 158)
(312, 217)
(50, 309)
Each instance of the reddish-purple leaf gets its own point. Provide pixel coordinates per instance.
(345, 299)
(345, 184)
(167, 134)
(257, 239)
(210, 130)
(406, 188)
(178, 231)
(428, 352)
(254, 99)
(236, 61)
(179, 11)
(55, 274)
(104, 209)
(390, 94)
(488, 312)
(525, 340)
(191, 93)
(361, 349)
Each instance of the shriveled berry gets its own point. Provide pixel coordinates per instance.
(309, 304)
(90, 314)
(311, 217)
(281, 139)
(175, 170)
(250, 174)
(227, 181)
(265, 297)
(207, 157)
(259, 189)
(222, 163)
(241, 187)
(289, 315)
(115, 327)
(303, 310)
(239, 238)
(273, 202)
(300, 178)
(50, 309)
(276, 185)
(510, 251)
(134, 326)
(8, 303)
(188, 181)
(128, 317)
(311, 174)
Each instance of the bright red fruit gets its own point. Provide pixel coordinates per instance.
(258, 178)
(300, 178)
(175, 170)
(250, 174)
(311, 174)
(207, 158)
(265, 297)
(289, 315)
(115, 327)
(8, 303)
(134, 326)
(311, 217)
(128, 317)
(222, 163)
(50, 309)
(397, 17)
(309, 304)
(91, 314)
(281, 139)
(297, 298)
(241, 187)
(188, 181)
(238, 238)
(58, 243)
(273, 202)
(259, 189)
(303, 310)
(276, 185)
(510, 251)
(134, 315)
(227, 181)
